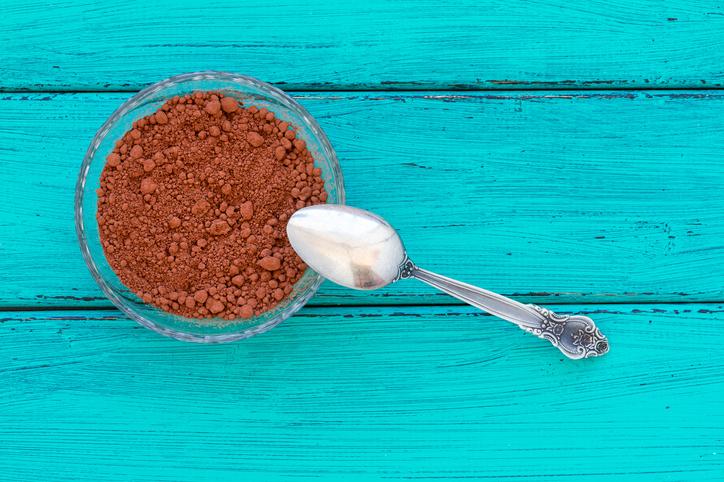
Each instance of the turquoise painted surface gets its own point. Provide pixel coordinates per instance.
(538, 195)
(376, 393)
(373, 44)
(604, 200)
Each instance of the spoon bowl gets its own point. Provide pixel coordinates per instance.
(349, 246)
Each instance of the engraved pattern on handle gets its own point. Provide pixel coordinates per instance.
(406, 270)
(576, 336)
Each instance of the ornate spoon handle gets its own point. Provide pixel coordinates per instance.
(574, 335)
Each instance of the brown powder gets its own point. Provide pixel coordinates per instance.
(193, 206)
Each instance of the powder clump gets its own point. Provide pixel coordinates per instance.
(193, 205)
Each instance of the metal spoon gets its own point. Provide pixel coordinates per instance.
(359, 250)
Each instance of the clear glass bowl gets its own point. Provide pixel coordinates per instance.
(251, 92)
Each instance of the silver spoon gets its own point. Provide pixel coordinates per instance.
(359, 250)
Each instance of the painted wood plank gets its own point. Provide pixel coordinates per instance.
(533, 195)
(363, 393)
(376, 44)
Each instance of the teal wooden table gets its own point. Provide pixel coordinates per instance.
(567, 153)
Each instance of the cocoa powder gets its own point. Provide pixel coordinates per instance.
(193, 205)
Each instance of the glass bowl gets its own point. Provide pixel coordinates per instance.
(251, 92)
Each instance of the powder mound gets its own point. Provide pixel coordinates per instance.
(193, 205)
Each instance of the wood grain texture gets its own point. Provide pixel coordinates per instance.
(536, 195)
(492, 44)
(364, 394)
(569, 197)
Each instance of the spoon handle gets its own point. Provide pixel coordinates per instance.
(574, 335)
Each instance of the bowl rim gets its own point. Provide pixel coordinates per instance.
(100, 135)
